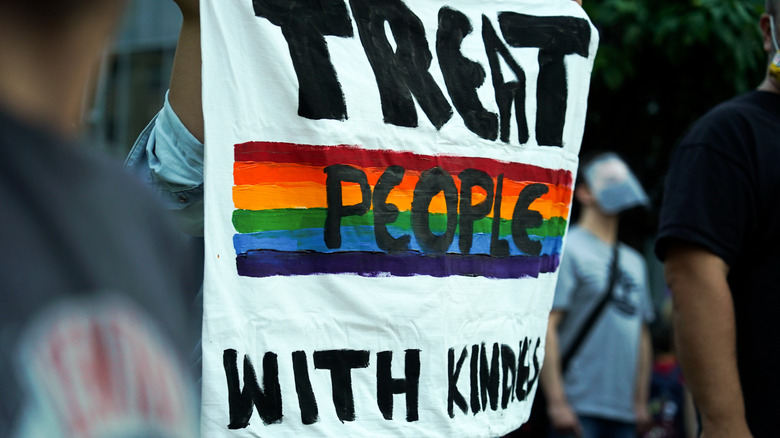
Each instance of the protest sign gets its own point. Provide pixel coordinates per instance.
(388, 186)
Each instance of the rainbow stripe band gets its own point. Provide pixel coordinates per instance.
(307, 209)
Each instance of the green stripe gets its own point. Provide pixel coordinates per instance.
(553, 227)
(251, 221)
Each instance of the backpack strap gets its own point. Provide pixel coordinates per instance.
(594, 315)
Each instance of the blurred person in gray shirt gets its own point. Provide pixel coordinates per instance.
(92, 327)
(597, 386)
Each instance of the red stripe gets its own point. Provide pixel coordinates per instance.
(356, 156)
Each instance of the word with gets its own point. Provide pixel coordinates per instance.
(513, 376)
(402, 74)
(268, 398)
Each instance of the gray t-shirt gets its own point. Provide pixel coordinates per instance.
(93, 324)
(601, 377)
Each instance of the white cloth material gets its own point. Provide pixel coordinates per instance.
(362, 277)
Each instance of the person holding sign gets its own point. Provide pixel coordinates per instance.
(326, 156)
(596, 370)
(168, 154)
(718, 237)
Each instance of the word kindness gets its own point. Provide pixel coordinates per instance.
(403, 73)
(494, 375)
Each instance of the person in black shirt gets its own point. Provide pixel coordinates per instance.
(718, 237)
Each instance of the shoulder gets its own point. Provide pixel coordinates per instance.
(580, 251)
(578, 243)
(742, 107)
(104, 179)
(632, 256)
(735, 122)
(723, 165)
(576, 236)
(87, 193)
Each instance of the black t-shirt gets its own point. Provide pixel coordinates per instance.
(723, 193)
(93, 317)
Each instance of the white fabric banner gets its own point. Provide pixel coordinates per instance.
(388, 185)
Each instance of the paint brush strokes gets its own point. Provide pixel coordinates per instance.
(308, 209)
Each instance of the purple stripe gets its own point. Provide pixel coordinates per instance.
(268, 263)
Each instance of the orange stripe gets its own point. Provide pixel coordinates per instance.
(251, 173)
(261, 186)
(272, 196)
(312, 195)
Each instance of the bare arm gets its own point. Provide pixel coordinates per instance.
(643, 375)
(185, 93)
(706, 339)
(689, 416)
(562, 417)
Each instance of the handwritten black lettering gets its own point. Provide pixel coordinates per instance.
(385, 213)
(498, 247)
(387, 386)
(341, 363)
(454, 397)
(555, 37)
(509, 369)
(506, 93)
(489, 377)
(460, 211)
(402, 73)
(338, 173)
(463, 76)
(523, 218)
(306, 400)
(267, 400)
(304, 26)
(469, 213)
(432, 182)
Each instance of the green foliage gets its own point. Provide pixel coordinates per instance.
(661, 65)
(671, 31)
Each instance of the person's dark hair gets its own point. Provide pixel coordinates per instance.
(585, 160)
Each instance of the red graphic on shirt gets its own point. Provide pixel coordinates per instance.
(102, 372)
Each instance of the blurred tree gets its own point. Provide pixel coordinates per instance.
(662, 64)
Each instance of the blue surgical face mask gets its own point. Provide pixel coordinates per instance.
(613, 185)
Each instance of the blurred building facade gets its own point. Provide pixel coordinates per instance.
(134, 76)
